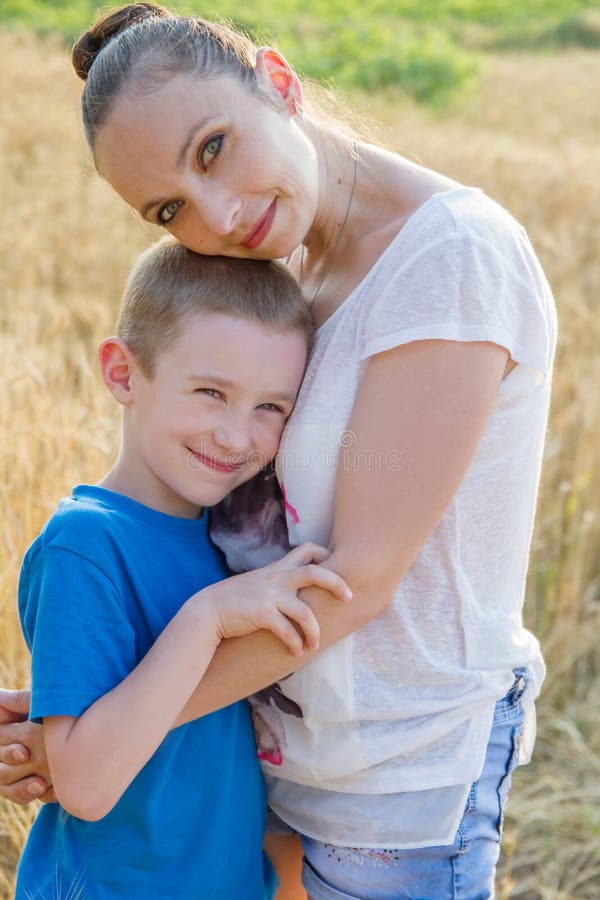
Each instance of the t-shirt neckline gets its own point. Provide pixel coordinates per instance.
(398, 237)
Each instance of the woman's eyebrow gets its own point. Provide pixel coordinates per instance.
(179, 162)
(158, 201)
(198, 126)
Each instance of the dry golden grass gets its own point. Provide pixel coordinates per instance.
(530, 138)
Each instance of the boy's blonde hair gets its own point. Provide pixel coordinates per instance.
(169, 282)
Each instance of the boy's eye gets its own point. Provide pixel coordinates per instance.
(210, 150)
(272, 407)
(210, 392)
(167, 213)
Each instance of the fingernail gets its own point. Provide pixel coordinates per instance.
(19, 756)
(348, 594)
(35, 790)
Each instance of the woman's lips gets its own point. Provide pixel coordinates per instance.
(216, 465)
(261, 229)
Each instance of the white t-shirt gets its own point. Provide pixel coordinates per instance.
(395, 719)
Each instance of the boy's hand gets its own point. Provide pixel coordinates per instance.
(267, 598)
(24, 774)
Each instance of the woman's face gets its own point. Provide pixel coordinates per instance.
(223, 170)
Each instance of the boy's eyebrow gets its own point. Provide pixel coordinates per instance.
(221, 381)
(179, 163)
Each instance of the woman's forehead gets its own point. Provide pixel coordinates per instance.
(161, 122)
(177, 96)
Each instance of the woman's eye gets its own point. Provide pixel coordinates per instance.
(211, 150)
(167, 213)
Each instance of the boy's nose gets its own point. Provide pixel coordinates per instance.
(233, 435)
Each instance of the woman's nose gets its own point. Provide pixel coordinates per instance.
(218, 208)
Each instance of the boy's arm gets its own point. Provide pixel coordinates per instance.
(94, 757)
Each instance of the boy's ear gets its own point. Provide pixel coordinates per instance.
(278, 80)
(117, 365)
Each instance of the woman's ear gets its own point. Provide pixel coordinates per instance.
(278, 80)
(117, 365)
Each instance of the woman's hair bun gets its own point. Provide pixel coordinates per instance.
(88, 46)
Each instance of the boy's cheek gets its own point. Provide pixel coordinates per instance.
(269, 444)
(259, 459)
(271, 452)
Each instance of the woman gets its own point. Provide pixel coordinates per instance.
(414, 452)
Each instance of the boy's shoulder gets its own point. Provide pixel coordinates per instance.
(82, 523)
(103, 526)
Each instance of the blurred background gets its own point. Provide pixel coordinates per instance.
(494, 93)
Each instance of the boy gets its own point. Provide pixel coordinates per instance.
(121, 604)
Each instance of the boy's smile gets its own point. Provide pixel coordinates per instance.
(215, 464)
(210, 416)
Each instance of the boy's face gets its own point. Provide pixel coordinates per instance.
(212, 414)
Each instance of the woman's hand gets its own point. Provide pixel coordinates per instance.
(267, 599)
(24, 774)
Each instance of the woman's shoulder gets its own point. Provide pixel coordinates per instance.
(462, 210)
(462, 221)
(471, 210)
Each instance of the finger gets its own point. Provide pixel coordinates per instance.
(28, 734)
(25, 790)
(324, 578)
(14, 705)
(302, 555)
(49, 796)
(285, 631)
(302, 614)
(10, 774)
(13, 754)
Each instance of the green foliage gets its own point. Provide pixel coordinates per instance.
(429, 48)
(67, 17)
(581, 30)
(371, 55)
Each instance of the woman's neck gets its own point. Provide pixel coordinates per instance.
(367, 198)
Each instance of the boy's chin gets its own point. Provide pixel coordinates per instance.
(214, 495)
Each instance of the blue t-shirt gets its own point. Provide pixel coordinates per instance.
(97, 587)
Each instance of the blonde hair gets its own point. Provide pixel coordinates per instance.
(168, 283)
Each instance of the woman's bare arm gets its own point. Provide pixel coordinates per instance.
(427, 402)
(424, 405)
(94, 757)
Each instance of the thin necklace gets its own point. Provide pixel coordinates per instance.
(339, 235)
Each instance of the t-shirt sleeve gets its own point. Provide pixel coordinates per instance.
(75, 623)
(463, 287)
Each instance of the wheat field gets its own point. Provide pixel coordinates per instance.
(529, 137)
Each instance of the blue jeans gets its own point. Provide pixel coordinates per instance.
(463, 870)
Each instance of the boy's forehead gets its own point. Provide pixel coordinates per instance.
(231, 347)
(234, 330)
